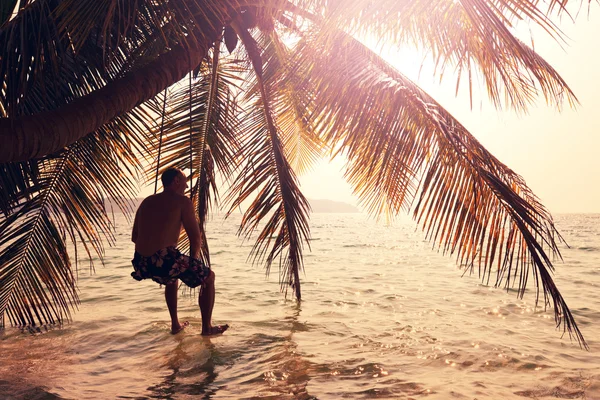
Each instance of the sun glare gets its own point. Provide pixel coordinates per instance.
(413, 63)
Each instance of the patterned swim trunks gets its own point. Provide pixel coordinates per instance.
(167, 265)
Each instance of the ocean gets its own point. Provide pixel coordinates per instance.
(383, 316)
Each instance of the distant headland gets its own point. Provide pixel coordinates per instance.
(316, 205)
(330, 206)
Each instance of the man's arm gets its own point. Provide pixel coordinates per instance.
(134, 231)
(190, 224)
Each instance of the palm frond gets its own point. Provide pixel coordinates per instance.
(86, 60)
(37, 282)
(6, 10)
(222, 135)
(204, 165)
(268, 175)
(65, 204)
(302, 146)
(473, 37)
(210, 113)
(467, 202)
(127, 136)
(22, 293)
(18, 182)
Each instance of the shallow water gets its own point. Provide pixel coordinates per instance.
(382, 316)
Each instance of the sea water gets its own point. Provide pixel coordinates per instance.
(382, 316)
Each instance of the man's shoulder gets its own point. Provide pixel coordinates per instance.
(184, 200)
(171, 198)
(150, 199)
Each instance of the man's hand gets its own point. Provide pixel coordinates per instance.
(192, 229)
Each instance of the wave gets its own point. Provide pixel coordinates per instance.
(589, 248)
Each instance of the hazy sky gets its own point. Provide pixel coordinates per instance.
(556, 153)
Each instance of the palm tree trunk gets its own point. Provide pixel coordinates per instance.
(37, 135)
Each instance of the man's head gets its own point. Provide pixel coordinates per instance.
(173, 179)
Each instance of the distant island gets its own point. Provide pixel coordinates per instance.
(330, 206)
(316, 205)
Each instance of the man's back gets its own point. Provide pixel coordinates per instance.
(158, 222)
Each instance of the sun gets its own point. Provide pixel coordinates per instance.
(415, 63)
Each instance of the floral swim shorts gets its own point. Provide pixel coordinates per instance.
(167, 265)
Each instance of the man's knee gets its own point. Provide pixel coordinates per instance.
(172, 285)
(211, 277)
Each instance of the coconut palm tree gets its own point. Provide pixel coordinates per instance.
(95, 94)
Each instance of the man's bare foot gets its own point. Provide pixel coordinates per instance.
(176, 330)
(215, 330)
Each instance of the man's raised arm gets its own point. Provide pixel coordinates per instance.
(190, 224)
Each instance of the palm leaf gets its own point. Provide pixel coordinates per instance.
(467, 201)
(36, 280)
(268, 175)
(22, 293)
(473, 37)
(18, 181)
(222, 133)
(209, 110)
(204, 164)
(37, 283)
(6, 10)
(302, 146)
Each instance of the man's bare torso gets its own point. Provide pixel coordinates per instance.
(158, 222)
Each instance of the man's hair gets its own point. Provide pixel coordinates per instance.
(169, 175)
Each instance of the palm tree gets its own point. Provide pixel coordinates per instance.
(92, 92)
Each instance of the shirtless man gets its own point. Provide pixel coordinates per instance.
(156, 230)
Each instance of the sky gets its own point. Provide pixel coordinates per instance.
(557, 153)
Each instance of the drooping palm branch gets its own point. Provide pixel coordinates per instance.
(268, 176)
(291, 103)
(318, 89)
(467, 201)
(37, 283)
(209, 111)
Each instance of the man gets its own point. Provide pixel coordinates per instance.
(156, 230)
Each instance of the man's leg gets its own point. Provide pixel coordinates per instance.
(206, 301)
(171, 298)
